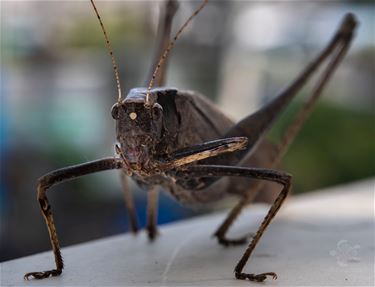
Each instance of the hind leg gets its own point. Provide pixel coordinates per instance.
(338, 47)
(255, 126)
(163, 39)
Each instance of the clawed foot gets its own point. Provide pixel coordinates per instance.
(152, 233)
(256, 277)
(42, 274)
(233, 242)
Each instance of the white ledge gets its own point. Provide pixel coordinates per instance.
(324, 238)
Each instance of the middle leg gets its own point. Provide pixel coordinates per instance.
(129, 202)
(248, 189)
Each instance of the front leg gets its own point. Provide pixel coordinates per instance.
(56, 177)
(202, 151)
(183, 157)
(257, 173)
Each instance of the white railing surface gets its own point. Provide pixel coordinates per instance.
(319, 239)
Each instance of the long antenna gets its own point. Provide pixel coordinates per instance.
(167, 50)
(109, 48)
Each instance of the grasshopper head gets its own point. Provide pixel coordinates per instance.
(138, 126)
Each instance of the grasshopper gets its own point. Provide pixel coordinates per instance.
(180, 141)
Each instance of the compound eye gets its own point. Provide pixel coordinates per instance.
(157, 111)
(115, 111)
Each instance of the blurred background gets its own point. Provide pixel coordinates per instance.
(57, 89)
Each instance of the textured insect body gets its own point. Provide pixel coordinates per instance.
(180, 141)
(177, 120)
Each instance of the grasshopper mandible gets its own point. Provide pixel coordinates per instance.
(180, 141)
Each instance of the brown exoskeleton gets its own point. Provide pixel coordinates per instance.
(180, 141)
